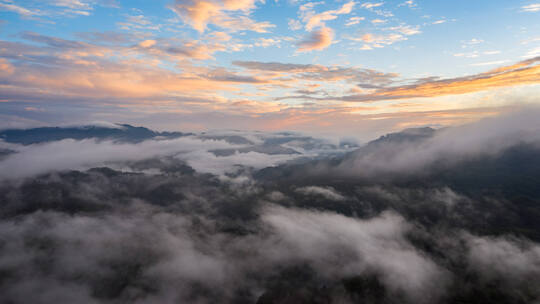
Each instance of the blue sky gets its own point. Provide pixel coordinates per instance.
(337, 64)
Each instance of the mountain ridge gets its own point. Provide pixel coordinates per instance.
(121, 133)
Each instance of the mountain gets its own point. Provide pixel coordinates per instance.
(412, 217)
(378, 146)
(117, 132)
(408, 157)
(407, 135)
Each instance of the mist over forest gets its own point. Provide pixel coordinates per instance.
(121, 214)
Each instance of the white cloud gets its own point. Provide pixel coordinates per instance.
(354, 20)
(339, 245)
(535, 52)
(326, 192)
(378, 40)
(369, 5)
(294, 24)
(508, 258)
(409, 3)
(71, 154)
(483, 138)
(19, 9)
(535, 7)
(73, 4)
(498, 62)
(207, 162)
(473, 41)
(406, 29)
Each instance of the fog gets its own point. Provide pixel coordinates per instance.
(275, 218)
(485, 138)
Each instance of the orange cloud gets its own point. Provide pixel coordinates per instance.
(318, 40)
(314, 20)
(5, 67)
(522, 73)
(147, 43)
(73, 69)
(367, 37)
(79, 73)
(181, 50)
(199, 13)
(155, 76)
(317, 72)
(115, 82)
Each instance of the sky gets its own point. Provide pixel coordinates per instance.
(348, 68)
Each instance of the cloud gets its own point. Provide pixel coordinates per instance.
(525, 72)
(147, 43)
(535, 7)
(374, 244)
(408, 3)
(315, 72)
(71, 154)
(217, 153)
(313, 20)
(91, 81)
(396, 34)
(63, 69)
(156, 231)
(317, 40)
(321, 36)
(76, 7)
(369, 5)
(199, 14)
(74, 4)
(6, 68)
(326, 192)
(473, 41)
(294, 24)
(207, 162)
(54, 41)
(19, 10)
(522, 73)
(138, 23)
(378, 41)
(151, 255)
(182, 50)
(354, 20)
(485, 138)
(406, 29)
(535, 52)
(497, 62)
(87, 74)
(91, 259)
(54, 9)
(513, 259)
(378, 21)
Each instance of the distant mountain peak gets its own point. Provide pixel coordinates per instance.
(116, 132)
(407, 135)
(419, 131)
